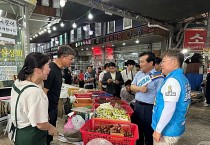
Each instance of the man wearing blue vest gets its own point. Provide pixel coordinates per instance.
(145, 85)
(172, 101)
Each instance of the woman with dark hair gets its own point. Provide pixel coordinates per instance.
(29, 103)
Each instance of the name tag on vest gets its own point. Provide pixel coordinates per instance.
(144, 81)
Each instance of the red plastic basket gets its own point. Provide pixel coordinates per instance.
(83, 95)
(92, 124)
(127, 108)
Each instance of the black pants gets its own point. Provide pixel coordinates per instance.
(142, 116)
(81, 84)
(53, 118)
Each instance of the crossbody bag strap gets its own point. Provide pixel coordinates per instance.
(19, 93)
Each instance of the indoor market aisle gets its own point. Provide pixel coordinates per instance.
(197, 128)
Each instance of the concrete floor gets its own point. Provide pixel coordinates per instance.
(197, 128)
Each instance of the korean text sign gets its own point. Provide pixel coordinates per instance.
(195, 39)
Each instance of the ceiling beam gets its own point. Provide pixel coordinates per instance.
(110, 9)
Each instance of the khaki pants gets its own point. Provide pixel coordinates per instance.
(165, 140)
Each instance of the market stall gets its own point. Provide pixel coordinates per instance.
(98, 117)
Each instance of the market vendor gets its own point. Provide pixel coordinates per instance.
(172, 101)
(145, 84)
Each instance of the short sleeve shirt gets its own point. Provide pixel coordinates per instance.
(32, 106)
(53, 83)
(152, 87)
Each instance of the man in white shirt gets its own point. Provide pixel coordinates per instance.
(129, 73)
(101, 75)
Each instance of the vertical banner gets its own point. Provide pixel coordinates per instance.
(79, 33)
(72, 35)
(195, 39)
(98, 29)
(87, 35)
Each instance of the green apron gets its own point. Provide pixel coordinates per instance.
(28, 135)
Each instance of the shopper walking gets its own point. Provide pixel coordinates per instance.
(52, 86)
(146, 84)
(172, 101)
(29, 103)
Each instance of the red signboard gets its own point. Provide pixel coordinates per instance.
(195, 39)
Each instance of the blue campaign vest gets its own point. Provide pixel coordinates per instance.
(176, 125)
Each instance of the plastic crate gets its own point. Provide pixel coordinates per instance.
(112, 100)
(83, 103)
(92, 124)
(127, 108)
(83, 95)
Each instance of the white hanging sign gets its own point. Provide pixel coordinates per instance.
(7, 41)
(8, 26)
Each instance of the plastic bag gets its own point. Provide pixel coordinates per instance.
(69, 127)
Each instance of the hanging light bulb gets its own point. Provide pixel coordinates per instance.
(74, 25)
(49, 31)
(62, 24)
(90, 16)
(62, 3)
(54, 28)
